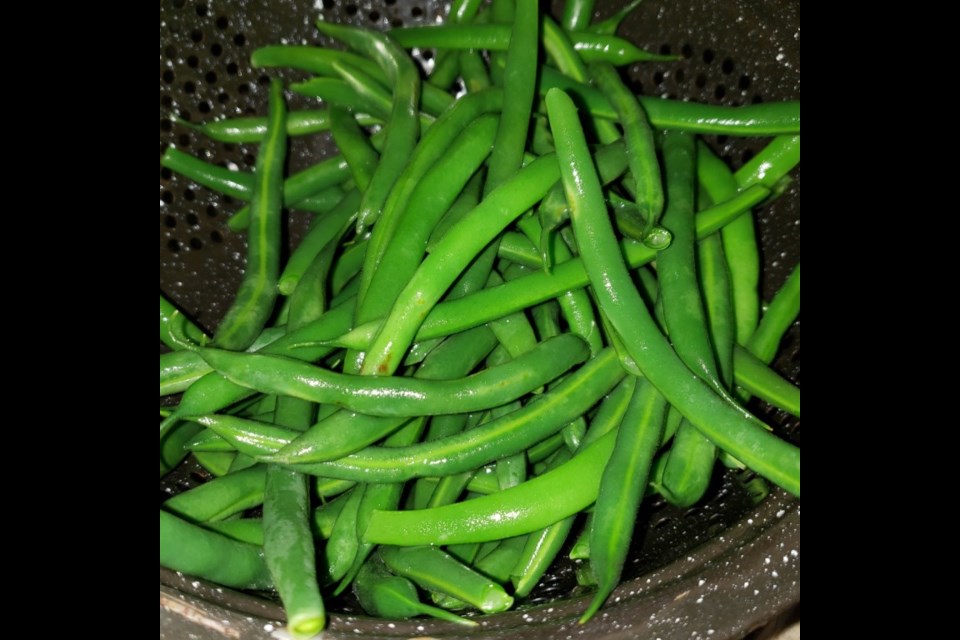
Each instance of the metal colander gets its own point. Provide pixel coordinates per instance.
(718, 570)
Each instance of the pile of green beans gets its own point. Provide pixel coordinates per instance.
(516, 314)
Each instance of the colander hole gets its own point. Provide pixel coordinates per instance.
(665, 49)
(719, 91)
(166, 101)
(183, 140)
(374, 16)
(201, 10)
(193, 62)
(215, 237)
(223, 98)
(196, 35)
(239, 39)
(167, 76)
(165, 173)
(211, 77)
(686, 51)
(167, 197)
(746, 156)
(263, 80)
(351, 9)
(204, 107)
(416, 12)
(222, 22)
(196, 244)
(190, 196)
(744, 82)
(700, 81)
(249, 159)
(330, 4)
(390, 3)
(721, 139)
(396, 23)
(658, 77)
(211, 211)
(757, 99)
(708, 55)
(232, 68)
(189, 87)
(173, 245)
(170, 221)
(166, 125)
(727, 66)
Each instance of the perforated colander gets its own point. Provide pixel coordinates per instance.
(718, 570)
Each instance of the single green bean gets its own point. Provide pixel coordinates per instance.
(221, 497)
(383, 594)
(254, 302)
(621, 490)
(779, 316)
(720, 419)
(206, 554)
(401, 396)
(360, 155)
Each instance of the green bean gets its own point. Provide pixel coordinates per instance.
(641, 152)
(498, 563)
(433, 569)
(621, 490)
(206, 554)
(754, 376)
(402, 126)
(519, 81)
(726, 424)
(340, 93)
(382, 594)
(400, 396)
(220, 498)
(530, 506)
(342, 545)
(779, 316)
(360, 155)
(254, 302)
(768, 118)
(611, 24)
(251, 129)
(289, 550)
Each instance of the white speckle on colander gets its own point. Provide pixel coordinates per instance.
(268, 627)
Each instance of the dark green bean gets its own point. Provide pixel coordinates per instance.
(621, 490)
(360, 155)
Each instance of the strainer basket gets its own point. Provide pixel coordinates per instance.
(719, 570)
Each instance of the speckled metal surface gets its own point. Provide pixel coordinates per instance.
(719, 570)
